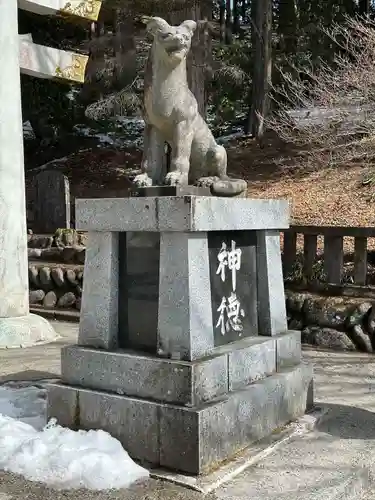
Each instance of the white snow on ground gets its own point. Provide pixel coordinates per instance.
(59, 457)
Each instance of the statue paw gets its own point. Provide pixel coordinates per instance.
(206, 182)
(142, 180)
(176, 179)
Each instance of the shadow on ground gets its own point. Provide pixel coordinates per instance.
(29, 376)
(347, 422)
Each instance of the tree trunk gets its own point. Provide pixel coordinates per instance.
(124, 49)
(262, 68)
(364, 7)
(244, 7)
(254, 27)
(222, 20)
(91, 89)
(236, 17)
(200, 49)
(199, 55)
(228, 22)
(287, 26)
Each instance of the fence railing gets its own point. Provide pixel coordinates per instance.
(333, 254)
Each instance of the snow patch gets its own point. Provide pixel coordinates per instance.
(58, 457)
(121, 132)
(230, 137)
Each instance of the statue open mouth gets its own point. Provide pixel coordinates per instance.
(175, 50)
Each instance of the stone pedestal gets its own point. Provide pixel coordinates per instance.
(184, 353)
(17, 327)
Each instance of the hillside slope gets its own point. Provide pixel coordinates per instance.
(326, 196)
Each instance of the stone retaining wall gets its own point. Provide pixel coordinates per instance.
(65, 255)
(65, 246)
(56, 269)
(55, 286)
(343, 323)
(61, 238)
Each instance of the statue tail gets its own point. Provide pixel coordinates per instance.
(224, 186)
(229, 187)
(218, 181)
(217, 161)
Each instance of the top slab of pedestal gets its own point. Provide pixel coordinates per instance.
(180, 213)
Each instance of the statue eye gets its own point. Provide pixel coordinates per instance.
(164, 36)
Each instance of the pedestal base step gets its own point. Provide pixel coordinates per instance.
(230, 368)
(191, 440)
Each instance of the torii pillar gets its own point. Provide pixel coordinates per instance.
(17, 326)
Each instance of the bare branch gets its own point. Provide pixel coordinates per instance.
(331, 111)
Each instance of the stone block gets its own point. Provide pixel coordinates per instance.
(196, 440)
(229, 286)
(132, 421)
(288, 349)
(235, 214)
(185, 326)
(180, 213)
(191, 440)
(271, 295)
(145, 376)
(251, 363)
(210, 379)
(99, 319)
(116, 214)
(52, 201)
(138, 290)
(36, 296)
(63, 404)
(50, 299)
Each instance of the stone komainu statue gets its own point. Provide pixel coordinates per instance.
(171, 115)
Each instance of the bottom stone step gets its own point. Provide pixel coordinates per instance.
(191, 440)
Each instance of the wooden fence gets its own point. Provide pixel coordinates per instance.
(333, 251)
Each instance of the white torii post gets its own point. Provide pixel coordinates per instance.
(17, 326)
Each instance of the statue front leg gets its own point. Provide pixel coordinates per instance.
(180, 157)
(153, 159)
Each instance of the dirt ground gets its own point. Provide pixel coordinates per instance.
(326, 196)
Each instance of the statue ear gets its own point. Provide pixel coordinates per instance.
(190, 25)
(155, 24)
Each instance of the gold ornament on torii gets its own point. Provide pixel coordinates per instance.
(89, 9)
